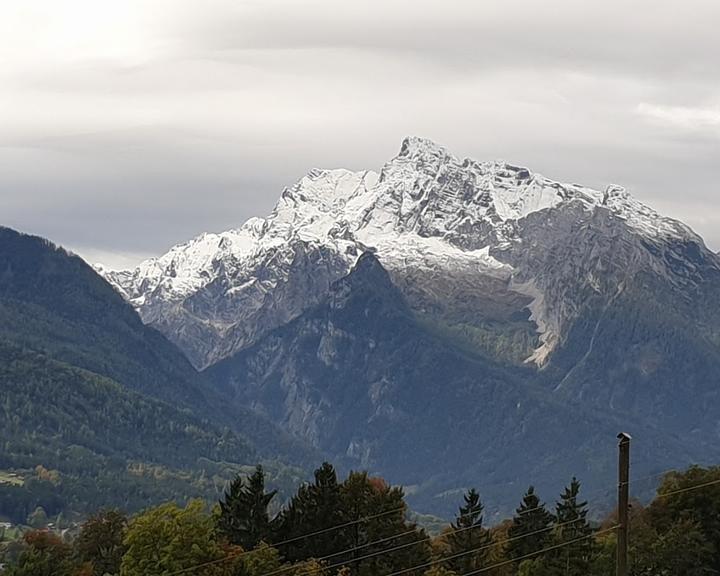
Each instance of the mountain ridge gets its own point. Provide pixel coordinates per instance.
(424, 209)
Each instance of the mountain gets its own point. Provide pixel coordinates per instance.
(89, 391)
(466, 242)
(598, 303)
(54, 303)
(365, 382)
(504, 262)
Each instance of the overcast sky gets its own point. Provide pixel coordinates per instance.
(128, 126)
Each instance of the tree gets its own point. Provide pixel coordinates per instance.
(244, 519)
(38, 519)
(314, 508)
(537, 567)
(701, 506)
(660, 544)
(573, 534)
(469, 543)
(680, 548)
(375, 512)
(169, 538)
(604, 554)
(45, 555)
(263, 559)
(309, 568)
(101, 542)
(438, 570)
(531, 527)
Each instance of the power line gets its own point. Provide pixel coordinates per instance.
(484, 547)
(407, 545)
(375, 554)
(681, 490)
(341, 526)
(427, 539)
(244, 553)
(403, 508)
(537, 553)
(368, 544)
(651, 476)
(416, 542)
(440, 561)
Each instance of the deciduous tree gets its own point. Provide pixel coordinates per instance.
(168, 538)
(101, 542)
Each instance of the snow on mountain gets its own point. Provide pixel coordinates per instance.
(447, 229)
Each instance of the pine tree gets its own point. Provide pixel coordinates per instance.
(315, 507)
(573, 532)
(468, 539)
(378, 514)
(244, 518)
(531, 527)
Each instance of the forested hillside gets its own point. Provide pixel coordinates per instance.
(53, 302)
(97, 409)
(100, 443)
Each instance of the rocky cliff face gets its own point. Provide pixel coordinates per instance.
(361, 379)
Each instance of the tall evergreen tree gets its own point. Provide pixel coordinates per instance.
(573, 532)
(468, 539)
(315, 507)
(377, 512)
(531, 527)
(244, 519)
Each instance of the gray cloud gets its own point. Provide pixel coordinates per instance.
(126, 132)
(646, 37)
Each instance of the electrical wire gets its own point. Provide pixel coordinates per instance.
(407, 545)
(539, 552)
(414, 543)
(430, 538)
(689, 489)
(484, 547)
(244, 553)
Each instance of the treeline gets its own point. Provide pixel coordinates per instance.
(360, 527)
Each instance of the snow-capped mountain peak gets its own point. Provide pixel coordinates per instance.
(319, 201)
(426, 213)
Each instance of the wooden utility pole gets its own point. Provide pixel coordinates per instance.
(623, 503)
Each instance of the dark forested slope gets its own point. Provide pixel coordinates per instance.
(108, 405)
